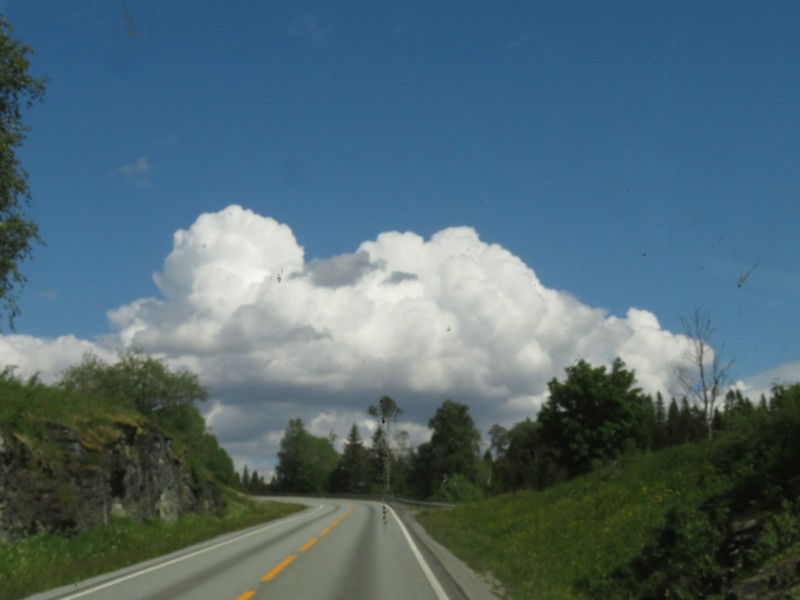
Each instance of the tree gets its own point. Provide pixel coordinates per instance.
(352, 474)
(387, 412)
(454, 446)
(675, 432)
(527, 462)
(594, 415)
(701, 375)
(144, 382)
(692, 423)
(498, 440)
(245, 479)
(17, 232)
(306, 461)
(659, 439)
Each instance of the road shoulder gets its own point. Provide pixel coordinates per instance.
(473, 586)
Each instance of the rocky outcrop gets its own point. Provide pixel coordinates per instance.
(64, 483)
(780, 581)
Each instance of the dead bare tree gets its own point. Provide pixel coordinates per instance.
(701, 375)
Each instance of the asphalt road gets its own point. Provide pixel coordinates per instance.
(336, 549)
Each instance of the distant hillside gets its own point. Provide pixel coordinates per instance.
(718, 519)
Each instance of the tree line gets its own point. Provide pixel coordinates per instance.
(592, 417)
(387, 465)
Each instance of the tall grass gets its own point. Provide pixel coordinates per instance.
(538, 544)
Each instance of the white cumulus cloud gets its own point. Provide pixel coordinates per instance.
(277, 336)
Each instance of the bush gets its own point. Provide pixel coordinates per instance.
(457, 489)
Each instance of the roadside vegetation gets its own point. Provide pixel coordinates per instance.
(96, 402)
(44, 562)
(699, 520)
(94, 399)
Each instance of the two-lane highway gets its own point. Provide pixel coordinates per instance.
(337, 549)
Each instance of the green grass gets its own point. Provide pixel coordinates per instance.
(44, 562)
(27, 407)
(538, 544)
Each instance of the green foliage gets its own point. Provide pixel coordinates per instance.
(526, 462)
(454, 444)
(456, 490)
(380, 461)
(781, 531)
(648, 525)
(593, 416)
(95, 399)
(216, 460)
(537, 544)
(27, 407)
(680, 563)
(352, 476)
(17, 233)
(254, 484)
(387, 410)
(306, 461)
(756, 464)
(381, 458)
(140, 380)
(659, 423)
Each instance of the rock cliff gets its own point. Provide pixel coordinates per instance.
(66, 483)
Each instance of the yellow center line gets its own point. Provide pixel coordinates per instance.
(340, 519)
(279, 567)
(308, 544)
(288, 560)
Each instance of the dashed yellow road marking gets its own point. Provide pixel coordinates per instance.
(288, 560)
(279, 567)
(308, 544)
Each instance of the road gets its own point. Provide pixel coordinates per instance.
(335, 549)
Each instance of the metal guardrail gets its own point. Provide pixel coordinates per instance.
(373, 497)
(421, 503)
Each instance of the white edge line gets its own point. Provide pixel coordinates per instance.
(437, 588)
(178, 559)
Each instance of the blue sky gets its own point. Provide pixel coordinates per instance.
(637, 155)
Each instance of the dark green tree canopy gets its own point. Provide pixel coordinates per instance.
(455, 443)
(306, 461)
(353, 474)
(593, 416)
(517, 465)
(18, 233)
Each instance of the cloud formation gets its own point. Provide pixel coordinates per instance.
(139, 167)
(276, 336)
(136, 173)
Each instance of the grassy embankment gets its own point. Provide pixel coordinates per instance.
(537, 544)
(655, 525)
